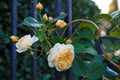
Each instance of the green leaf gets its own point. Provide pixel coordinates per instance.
(108, 50)
(91, 51)
(88, 25)
(116, 16)
(57, 40)
(116, 45)
(61, 16)
(103, 16)
(86, 42)
(79, 48)
(29, 21)
(78, 66)
(86, 32)
(75, 39)
(95, 70)
(115, 33)
(98, 58)
(107, 43)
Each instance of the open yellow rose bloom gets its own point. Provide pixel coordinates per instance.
(61, 56)
(25, 43)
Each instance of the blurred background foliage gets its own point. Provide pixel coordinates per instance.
(81, 9)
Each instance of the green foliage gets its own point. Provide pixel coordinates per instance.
(29, 21)
(116, 32)
(96, 68)
(84, 44)
(57, 40)
(4, 40)
(79, 48)
(91, 51)
(85, 9)
(86, 33)
(103, 16)
(107, 43)
(116, 17)
(93, 70)
(61, 16)
(110, 22)
(116, 45)
(79, 67)
(110, 47)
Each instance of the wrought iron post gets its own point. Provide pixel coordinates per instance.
(34, 62)
(13, 32)
(68, 10)
(57, 10)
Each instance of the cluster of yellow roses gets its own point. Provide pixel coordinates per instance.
(60, 55)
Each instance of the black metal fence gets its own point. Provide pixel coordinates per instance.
(57, 8)
(68, 10)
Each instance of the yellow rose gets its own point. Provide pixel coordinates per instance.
(14, 38)
(25, 43)
(61, 56)
(39, 6)
(60, 24)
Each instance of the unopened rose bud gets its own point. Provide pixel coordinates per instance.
(39, 6)
(45, 17)
(60, 24)
(14, 38)
(50, 18)
(118, 66)
(48, 52)
(31, 53)
(108, 56)
(69, 41)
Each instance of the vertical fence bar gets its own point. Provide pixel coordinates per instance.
(34, 62)
(57, 7)
(68, 10)
(13, 32)
(57, 10)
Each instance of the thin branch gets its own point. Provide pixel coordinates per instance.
(79, 20)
